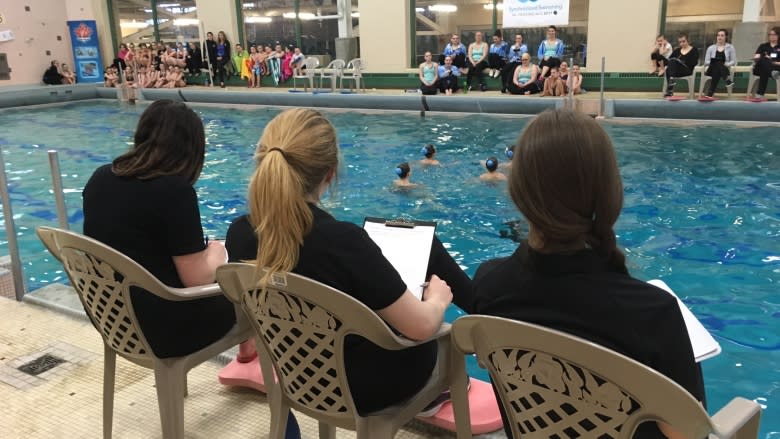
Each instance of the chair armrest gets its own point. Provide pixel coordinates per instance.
(403, 342)
(197, 292)
(739, 418)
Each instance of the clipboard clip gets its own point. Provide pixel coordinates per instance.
(400, 223)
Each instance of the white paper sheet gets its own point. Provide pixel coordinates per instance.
(704, 345)
(407, 249)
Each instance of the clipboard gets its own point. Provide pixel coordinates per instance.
(703, 343)
(406, 245)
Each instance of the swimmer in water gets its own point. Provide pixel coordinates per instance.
(429, 151)
(404, 172)
(492, 174)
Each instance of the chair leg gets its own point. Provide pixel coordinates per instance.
(170, 397)
(109, 375)
(374, 428)
(327, 431)
(186, 392)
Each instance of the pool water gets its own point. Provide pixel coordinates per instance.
(702, 206)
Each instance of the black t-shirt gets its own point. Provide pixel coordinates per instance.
(581, 294)
(768, 50)
(342, 255)
(151, 221)
(690, 59)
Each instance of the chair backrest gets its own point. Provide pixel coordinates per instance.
(103, 278)
(357, 66)
(302, 324)
(311, 63)
(552, 383)
(337, 65)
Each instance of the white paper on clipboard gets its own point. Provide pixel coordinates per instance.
(704, 344)
(406, 245)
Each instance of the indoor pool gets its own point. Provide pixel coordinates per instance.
(702, 206)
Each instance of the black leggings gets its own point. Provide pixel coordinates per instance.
(659, 59)
(220, 70)
(532, 88)
(676, 69)
(429, 89)
(763, 69)
(550, 63)
(478, 69)
(448, 82)
(495, 61)
(458, 60)
(717, 71)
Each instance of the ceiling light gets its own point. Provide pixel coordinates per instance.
(301, 15)
(248, 5)
(419, 9)
(168, 5)
(442, 7)
(255, 19)
(489, 6)
(185, 22)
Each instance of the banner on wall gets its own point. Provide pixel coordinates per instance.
(86, 51)
(531, 13)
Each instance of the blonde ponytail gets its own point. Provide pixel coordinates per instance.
(294, 156)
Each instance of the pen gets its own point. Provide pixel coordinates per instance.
(424, 285)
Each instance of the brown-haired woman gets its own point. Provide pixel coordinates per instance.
(566, 183)
(297, 158)
(144, 205)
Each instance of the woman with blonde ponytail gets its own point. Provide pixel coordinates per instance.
(297, 159)
(569, 274)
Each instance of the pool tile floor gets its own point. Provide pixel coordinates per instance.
(66, 401)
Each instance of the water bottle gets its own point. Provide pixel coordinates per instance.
(466, 86)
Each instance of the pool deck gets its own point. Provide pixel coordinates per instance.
(616, 105)
(67, 400)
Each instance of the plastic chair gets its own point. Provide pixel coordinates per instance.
(705, 79)
(103, 277)
(310, 64)
(690, 78)
(301, 326)
(753, 83)
(553, 384)
(333, 72)
(354, 72)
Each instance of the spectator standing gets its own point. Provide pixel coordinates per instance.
(222, 57)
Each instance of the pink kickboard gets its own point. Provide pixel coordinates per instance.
(756, 99)
(707, 99)
(483, 407)
(675, 98)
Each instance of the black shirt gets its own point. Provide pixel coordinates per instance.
(151, 221)
(766, 49)
(343, 256)
(581, 294)
(52, 76)
(690, 59)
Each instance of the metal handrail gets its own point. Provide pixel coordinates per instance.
(10, 231)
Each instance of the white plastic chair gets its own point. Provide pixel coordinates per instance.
(705, 79)
(552, 384)
(753, 83)
(354, 72)
(691, 80)
(333, 72)
(301, 326)
(310, 65)
(103, 277)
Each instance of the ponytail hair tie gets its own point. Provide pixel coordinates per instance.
(280, 152)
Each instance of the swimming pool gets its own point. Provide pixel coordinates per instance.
(702, 207)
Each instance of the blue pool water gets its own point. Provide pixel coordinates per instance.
(702, 207)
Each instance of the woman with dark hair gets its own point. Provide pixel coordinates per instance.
(718, 61)
(767, 62)
(222, 53)
(52, 75)
(682, 62)
(550, 51)
(144, 206)
(569, 274)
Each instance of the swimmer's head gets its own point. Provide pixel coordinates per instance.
(428, 150)
(509, 152)
(403, 170)
(491, 164)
